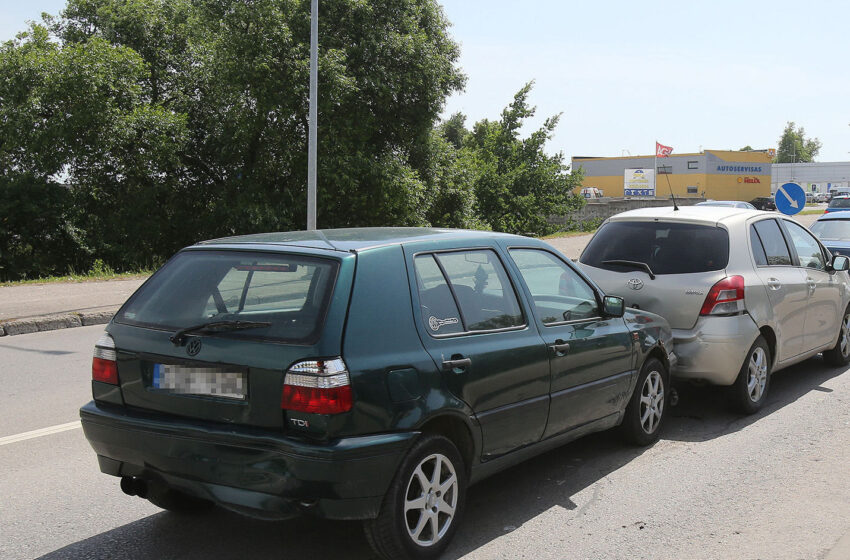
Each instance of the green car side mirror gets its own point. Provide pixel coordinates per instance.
(614, 306)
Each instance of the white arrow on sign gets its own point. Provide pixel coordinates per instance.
(791, 201)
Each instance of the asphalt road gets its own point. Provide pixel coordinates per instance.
(774, 485)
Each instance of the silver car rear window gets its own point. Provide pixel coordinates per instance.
(666, 247)
(291, 292)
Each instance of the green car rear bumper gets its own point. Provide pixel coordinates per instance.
(251, 471)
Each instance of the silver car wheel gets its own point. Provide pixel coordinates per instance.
(651, 402)
(757, 374)
(845, 336)
(430, 500)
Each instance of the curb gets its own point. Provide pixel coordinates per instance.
(53, 322)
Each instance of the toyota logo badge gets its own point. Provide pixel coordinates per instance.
(635, 283)
(193, 347)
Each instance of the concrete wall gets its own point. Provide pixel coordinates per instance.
(607, 207)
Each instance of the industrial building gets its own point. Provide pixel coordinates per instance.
(813, 177)
(716, 174)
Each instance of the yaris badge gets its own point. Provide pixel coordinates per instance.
(635, 283)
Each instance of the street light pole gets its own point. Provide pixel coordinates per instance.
(311, 134)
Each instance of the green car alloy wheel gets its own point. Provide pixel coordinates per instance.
(423, 506)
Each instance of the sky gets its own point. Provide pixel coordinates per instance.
(624, 74)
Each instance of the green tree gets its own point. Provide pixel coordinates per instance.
(518, 186)
(37, 234)
(450, 179)
(238, 71)
(746, 148)
(794, 147)
(170, 121)
(79, 141)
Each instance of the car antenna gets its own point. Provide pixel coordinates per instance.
(675, 206)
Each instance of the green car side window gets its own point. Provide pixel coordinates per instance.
(482, 288)
(438, 309)
(559, 293)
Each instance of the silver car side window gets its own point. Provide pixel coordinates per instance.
(758, 248)
(773, 242)
(808, 249)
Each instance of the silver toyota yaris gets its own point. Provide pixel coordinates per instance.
(746, 292)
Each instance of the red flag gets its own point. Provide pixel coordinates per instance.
(662, 151)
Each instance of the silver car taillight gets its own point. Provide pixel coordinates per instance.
(725, 297)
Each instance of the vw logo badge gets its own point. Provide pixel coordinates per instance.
(193, 347)
(635, 283)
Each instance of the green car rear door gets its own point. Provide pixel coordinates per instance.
(472, 324)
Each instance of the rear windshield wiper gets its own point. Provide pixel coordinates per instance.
(180, 336)
(637, 264)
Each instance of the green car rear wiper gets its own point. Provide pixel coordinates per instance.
(180, 336)
(636, 264)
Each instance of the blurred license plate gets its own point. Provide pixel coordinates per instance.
(214, 382)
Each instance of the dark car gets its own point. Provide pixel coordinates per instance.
(838, 204)
(833, 230)
(364, 374)
(764, 203)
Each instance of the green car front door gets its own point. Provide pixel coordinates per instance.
(591, 356)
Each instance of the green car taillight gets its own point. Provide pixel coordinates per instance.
(104, 367)
(317, 387)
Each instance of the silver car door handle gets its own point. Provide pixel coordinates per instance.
(774, 284)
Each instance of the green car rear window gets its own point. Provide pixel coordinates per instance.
(289, 291)
(666, 247)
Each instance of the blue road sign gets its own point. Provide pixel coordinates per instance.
(790, 198)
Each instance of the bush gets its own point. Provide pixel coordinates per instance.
(37, 237)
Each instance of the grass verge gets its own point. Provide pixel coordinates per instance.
(567, 234)
(84, 277)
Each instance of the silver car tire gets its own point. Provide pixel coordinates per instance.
(749, 391)
(423, 506)
(839, 355)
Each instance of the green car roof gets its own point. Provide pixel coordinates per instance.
(354, 239)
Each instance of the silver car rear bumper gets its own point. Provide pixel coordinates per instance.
(714, 349)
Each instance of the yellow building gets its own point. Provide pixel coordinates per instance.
(716, 174)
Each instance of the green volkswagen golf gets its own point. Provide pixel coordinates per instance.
(366, 374)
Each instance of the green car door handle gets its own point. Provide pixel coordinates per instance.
(560, 347)
(457, 365)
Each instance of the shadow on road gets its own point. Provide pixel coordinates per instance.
(220, 534)
(495, 506)
(36, 351)
(703, 413)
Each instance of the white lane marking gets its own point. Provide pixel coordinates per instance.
(42, 432)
